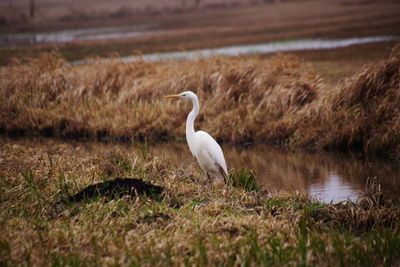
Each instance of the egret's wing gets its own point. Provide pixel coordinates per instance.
(213, 149)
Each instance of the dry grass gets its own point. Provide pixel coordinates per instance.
(192, 223)
(371, 210)
(246, 99)
(362, 113)
(124, 100)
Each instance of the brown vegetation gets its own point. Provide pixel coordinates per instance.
(363, 112)
(191, 223)
(124, 100)
(369, 211)
(278, 100)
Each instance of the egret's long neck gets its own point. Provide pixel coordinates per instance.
(190, 120)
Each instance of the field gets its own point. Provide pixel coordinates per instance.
(213, 24)
(72, 192)
(190, 223)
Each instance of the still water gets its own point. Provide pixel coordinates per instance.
(131, 31)
(254, 49)
(64, 36)
(263, 48)
(327, 176)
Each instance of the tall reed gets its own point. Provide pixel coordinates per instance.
(244, 99)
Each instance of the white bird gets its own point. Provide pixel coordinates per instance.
(204, 148)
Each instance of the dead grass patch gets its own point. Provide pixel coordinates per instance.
(277, 100)
(219, 224)
(361, 112)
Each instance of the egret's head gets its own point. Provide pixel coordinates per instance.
(185, 95)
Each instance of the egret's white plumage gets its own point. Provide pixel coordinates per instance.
(204, 148)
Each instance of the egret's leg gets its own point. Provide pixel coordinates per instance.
(207, 186)
(209, 177)
(223, 174)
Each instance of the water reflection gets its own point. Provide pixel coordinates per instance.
(334, 189)
(327, 176)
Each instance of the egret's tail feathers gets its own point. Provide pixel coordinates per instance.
(223, 173)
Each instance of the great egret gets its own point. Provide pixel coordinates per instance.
(204, 148)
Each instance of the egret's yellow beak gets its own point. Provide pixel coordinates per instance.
(172, 96)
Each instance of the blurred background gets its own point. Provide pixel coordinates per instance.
(78, 29)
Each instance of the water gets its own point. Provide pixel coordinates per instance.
(265, 48)
(326, 176)
(130, 31)
(65, 36)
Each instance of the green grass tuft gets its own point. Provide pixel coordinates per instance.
(243, 178)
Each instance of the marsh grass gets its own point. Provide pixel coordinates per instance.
(243, 178)
(190, 224)
(246, 99)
